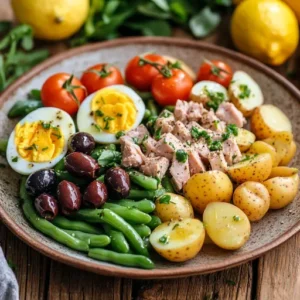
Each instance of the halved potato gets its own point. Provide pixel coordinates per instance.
(227, 225)
(259, 147)
(178, 240)
(253, 199)
(290, 154)
(184, 66)
(268, 120)
(203, 90)
(244, 139)
(282, 190)
(173, 207)
(252, 168)
(283, 172)
(245, 93)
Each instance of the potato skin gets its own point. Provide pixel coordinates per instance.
(282, 190)
(283, 172)
(245, 139)
(290, 154)
(259, 147)
(178, 208)
(253, 199)
(211, 186)
(257, 168)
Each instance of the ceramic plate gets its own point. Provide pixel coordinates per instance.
(274, 229)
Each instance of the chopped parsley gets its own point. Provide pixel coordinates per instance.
(165, 199)
(166, 114)
(245, 91)
(15, 159)
(197, 134)
(175, 226)
(46, 125)
(248, 157)
(97, 126)
(233, 157)
(57, 135)
(107, 119)
(32, 147)
(119, 134)
(215, 99)
(230, 129)
(215, 146)
(135, 140)
(236, 218)
(181, 156)
(172, 145)
(157, 133)
(164, 239)
(45, 148)
(99, 113)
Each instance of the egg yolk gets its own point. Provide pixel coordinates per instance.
(113, 111)
(38, 141)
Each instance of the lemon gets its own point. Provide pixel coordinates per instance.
(52, 19)
(265, 29)
(295, 6)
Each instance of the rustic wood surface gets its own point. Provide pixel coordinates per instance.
(276, 275)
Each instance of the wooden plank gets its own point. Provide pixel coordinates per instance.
(31, 268)
(235, 283)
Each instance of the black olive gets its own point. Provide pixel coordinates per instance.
(42, 181)
(47, 206)
(82, 142)
(95, 194)
(117, 182)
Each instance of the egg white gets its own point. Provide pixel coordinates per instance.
(45, 114)
(85, 119)
(199, 89)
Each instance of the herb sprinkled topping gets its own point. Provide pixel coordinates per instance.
(165, 199)
(245, 91)
(164, 239)
(119, 134)
(181, 156)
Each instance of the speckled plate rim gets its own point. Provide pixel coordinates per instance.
(174, 272)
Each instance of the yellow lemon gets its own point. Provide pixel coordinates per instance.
(52, 19)
(265, 29)
(295, 6)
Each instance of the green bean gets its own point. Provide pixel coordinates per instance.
(101, 178)
(65, 175)
(144, 95)
(152, 107)
(120, 224)
(146, 182)
(170, 108)
(22, 108)
(142, 230)
(93, 240)
(3, 146)
(129, 260)
(45, 226)
(144, 205)
(166, 183)
(88, 215)
(118, 241)
(99, 148)
(60, 166)
(139, 194)
(129, 214)
(147, 115)
(155, 221)
(74, 225)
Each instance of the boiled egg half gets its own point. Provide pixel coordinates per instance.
(110, 110)
(39, 140)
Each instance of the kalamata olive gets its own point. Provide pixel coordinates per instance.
(47, 206)
(81, 165)
(117, 182)
(95, 194)
(69, 197)
(82, 142)
(42, 181)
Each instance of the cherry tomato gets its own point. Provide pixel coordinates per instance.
(215, 70)
(140, 75)
(167, 90)
(63, 91)
(100, 76)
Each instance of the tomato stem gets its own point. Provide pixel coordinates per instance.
(215, 70)
(70, 88)
(165, 70)
(103, 73)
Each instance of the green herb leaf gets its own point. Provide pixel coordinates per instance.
(109, 158)
(15, 159)
(175, 226)
(181, 156)
(165, 199)
(157, 133)
(45, 148)
(236, 218)
(245, 91)
(119, 134)
(164, 239)
(99, 113)
(215, 146)
(215, 99)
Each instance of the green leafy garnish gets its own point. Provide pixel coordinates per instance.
(57, 135)
(157, 133)
(175, 226)
(119, 134)
(215, 99)
(245, 91)
(97, 127)
(45, 148)
(164, 239)
(197, 134)
(15, 159)
(231, 129)
(99, 113)
(236, 218)
(181, 156)
(165, 199)
(215, 146)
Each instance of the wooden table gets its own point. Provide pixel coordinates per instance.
(276, 275)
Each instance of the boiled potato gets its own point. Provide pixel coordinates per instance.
(282, 190)
(281, 141)
(252, 168)
(259, 147)
(267, 120)
(173, 207)
(211, 186)
(244, 139)
(202, 90)
(253, 199)
(245, 93)
(283, 172)
(183, 65)
(178, 240)
(290, 154)
(227, 225)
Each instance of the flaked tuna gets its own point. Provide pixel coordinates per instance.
(228, 113)
(155, 166)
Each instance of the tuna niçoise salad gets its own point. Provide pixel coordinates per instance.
(160, 160)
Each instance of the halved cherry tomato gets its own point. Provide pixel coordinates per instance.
(215, 70)
(100, 76)
(141, 75)
(167, 90)
(64, 91)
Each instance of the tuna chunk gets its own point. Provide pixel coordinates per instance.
(148, 145)
(139, 133)
(167, 145)
(195, 163)
(155, 166)
(165, 121)
(180, 173)
(211, 121)
(132, 155)
(195, 111)
(228, 113)
(231, 151)
(181, 132)
(202, 149)
(181, 110)
(217, 161)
